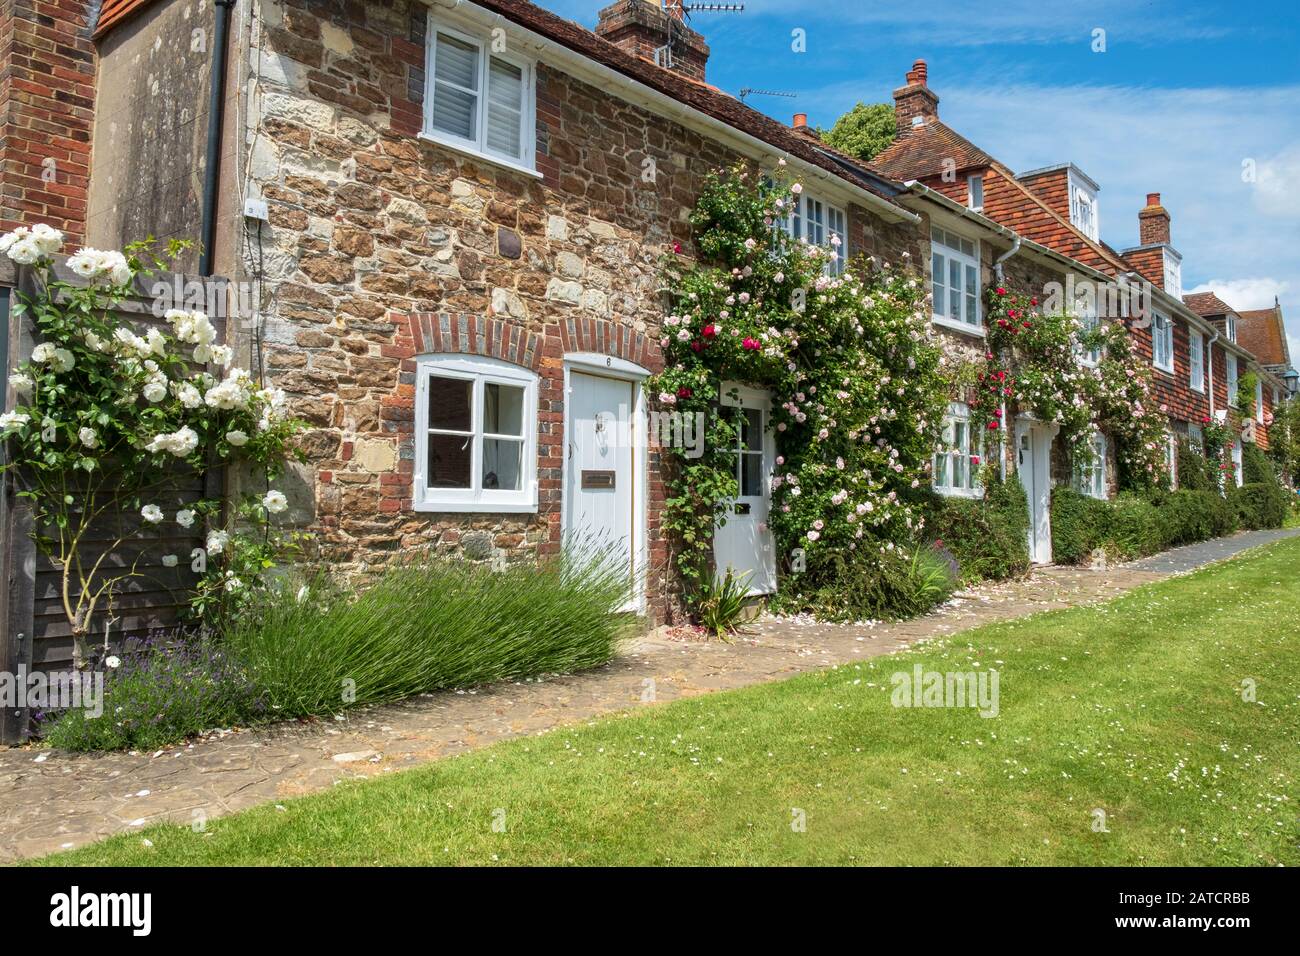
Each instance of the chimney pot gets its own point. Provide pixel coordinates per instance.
(915, 103)
(800, 120)
(1153, 199)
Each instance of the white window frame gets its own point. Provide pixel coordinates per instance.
(1196, 438)
(945, 245)
(1083, 212)
(1230, 377)
(975, 193)
(1091, 479)
(958, 458)
(481, 371)
(527, 162)
(1230, 326)
(1171, 458)
(1085, 309)
(1162, 331)
(799, 226)
(1196, 360)
(1259, 398)
(1236, 461)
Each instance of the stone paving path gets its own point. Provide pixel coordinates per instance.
(51, 800)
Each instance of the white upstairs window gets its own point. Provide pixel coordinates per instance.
(477, 99)
(1230, 363)
(1162, 342)
(818, 223)
(975, 192)
(1259, 399)
(955, 280)
(475, 435)
(1196, 353)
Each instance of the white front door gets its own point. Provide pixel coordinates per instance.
(1034, 466)
(601, 469)
(742, 541)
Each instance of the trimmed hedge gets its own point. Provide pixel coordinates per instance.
(989, 537)
(1132, 526)
(1261, 502)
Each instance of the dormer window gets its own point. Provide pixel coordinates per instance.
(975, 192)
(1083, 212)
(1173, 274)
(1230, 326)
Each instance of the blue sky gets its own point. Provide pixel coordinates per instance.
(1183, 95)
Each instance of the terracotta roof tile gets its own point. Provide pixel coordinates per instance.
(922, 151)
(1261, 332)
(1206, 303)
(700, 96)
(114, 12)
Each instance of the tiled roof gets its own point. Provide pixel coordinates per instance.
(1207, 303)
(922, 151)
(1009, 201)
(1261, 332)
(699, 96)
(114, 12)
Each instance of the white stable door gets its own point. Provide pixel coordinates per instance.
(1034, 466)
(742, 541)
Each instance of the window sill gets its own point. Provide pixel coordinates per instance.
(458, 147)
(1163, 370)
(476, 507)
(959, 492)
(977, 331)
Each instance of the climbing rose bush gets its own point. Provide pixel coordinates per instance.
(1034, 365)
(110, 418)
(854, 374)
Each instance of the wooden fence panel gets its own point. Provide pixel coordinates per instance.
(37, 634)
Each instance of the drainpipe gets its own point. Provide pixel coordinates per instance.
(216, 101)
(997, 271)
(1209, 366)
(997, 263)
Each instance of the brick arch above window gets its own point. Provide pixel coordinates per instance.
(469, 334)
(509, 341)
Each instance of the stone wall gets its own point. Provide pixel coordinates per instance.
(382, 245)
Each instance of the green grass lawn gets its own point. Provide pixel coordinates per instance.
(1133, 708)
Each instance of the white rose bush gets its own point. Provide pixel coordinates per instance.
(111, 418)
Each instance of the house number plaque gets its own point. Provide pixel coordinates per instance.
(597, 479)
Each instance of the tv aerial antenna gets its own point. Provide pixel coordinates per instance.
(748, 91)
(681, 12)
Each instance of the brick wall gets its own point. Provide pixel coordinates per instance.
(46, 109)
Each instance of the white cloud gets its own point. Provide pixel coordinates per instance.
(1245, 294)
(1276, 181)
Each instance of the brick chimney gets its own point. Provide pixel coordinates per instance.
(1153, 223)
(915, 104)
(655, 30)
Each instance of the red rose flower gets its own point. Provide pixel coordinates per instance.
(751, 344)
(697, 345)
(709, 331)
(1001, 291)
(993, 426)
(684, 392)
(677, 247)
